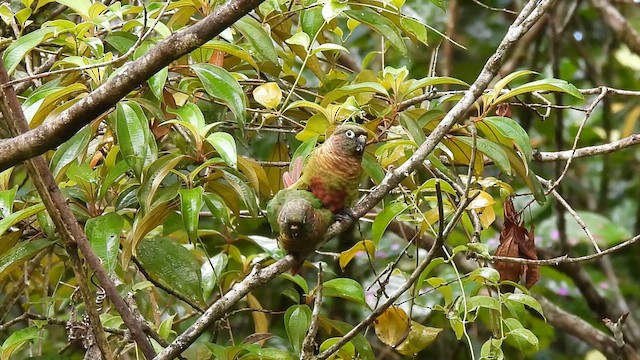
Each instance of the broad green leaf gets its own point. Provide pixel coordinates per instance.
(218, 208)
(157, 81)
(268, 95)
(415, 28)
(390, 212)
(18, 216)
(332, 9)
(152, 178)
(525, 299)
(296, 321)
(220, 84)
(132, 131)
(233, 50)
(80, 7)
(16, 340)
(311, 21)
(258, 38)
(510, 129)
(542, 85)
(212, 270)
(6, 201)
(103, 233)
(20, 253)
(225, 145)
(344, 288)
(190, 205)
(500, 84)
(419, 338)
(170, 264)
(526, 335)
(142, 225)
(14, 54)
(298, 280)
(485, 274)
(361, 246)
(301, 39)
(381, 25)
(122, 41)
(43, 109)
(365, 352)
(492, 150)
(528, 177)
(246, 193)
(347, 351)
(71, 150)
(482, 301)
(165, 328)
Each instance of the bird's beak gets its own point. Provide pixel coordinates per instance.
(361, 141)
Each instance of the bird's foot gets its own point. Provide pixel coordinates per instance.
(344, 215)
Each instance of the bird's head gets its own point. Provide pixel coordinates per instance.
(295, 216)
(349, 139)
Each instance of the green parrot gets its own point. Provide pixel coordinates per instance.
(332, 172)
(300, 220)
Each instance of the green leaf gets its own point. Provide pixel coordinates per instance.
(225, 145)
(220, 84)
(122, 41)
(14, 54)
(153, 177)
(169, 263)
(157, 81)
(347, 351)
(298, 280)
(500, 84)
(6, 201)
(311, 21)
(190, 205)
(16, 340)
(301, 39)
(268, 95)
(526, 335)
(70, 150)
(509, 129)
(132, 131)
(381, 25)
(103, 233)
(344, 288)
(365, 352)
(390, 212)
(18, 216)
(441, 285)
(525, 299)
(258, 38)
(492, 150)
(296, 321)
(415, 28)
(542, 85)
(246, 193)
(482, 301)
(81, 7)
(485, 274)
(233, 50)
(212, 271)
(268, 354)
(20, 253)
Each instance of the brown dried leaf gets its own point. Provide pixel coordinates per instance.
(503, 110)
(516, 241)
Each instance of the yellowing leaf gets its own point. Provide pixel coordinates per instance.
(261, 324)
(392, 327)
(419, 337)
(268, 95)
(348, 255)
(483, 199)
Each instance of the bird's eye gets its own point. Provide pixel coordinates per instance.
(350, 134)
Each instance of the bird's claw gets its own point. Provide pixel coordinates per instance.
(344, 215)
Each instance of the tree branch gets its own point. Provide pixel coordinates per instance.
(55, 132)
(618, 24)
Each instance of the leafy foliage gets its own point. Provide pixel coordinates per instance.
(170, 184)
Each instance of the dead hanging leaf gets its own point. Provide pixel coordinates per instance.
(517, 242)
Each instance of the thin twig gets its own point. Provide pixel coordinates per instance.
(309, 343)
